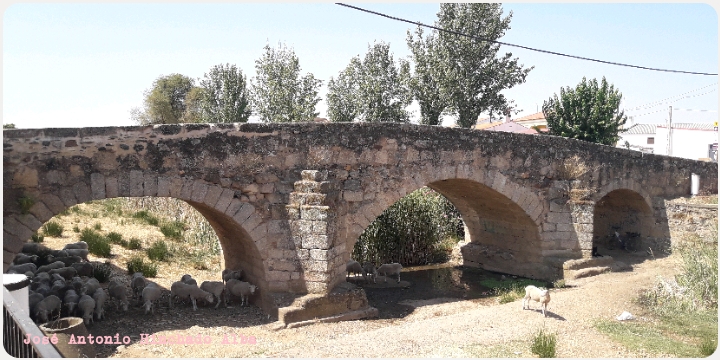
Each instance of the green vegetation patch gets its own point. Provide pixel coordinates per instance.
(102, 272)
(646, 337)
(25, 202)
(53, 229)
(97, 243)
(134, 244)
(138, 264)
(543, 344)
(159, 251)
(146, 217)
(173, 229)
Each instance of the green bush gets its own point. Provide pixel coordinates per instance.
(76, 229)
(37, 238)
(543, 344)
(134, 244)
(52, 228)
(173, 229)
(559, 284)
(114, 237)
(158, 251)
(413, 231)
(146, 217)
(97, 244)
(97, 226)
(102, 272)
(137, 264)
(25, 203)
(708, 346)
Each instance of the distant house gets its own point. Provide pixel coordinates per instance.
(507, 125)
(639, 137)
(697, 141)
(537, 119)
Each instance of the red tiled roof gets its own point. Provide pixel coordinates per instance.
(511, 127)
(535, 116)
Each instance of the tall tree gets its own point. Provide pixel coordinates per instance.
(280, 94)
(427, 77)
(342, 96)
(225, 97)
(165, 102)
(375, 89)
(590, 112)
(473, 76)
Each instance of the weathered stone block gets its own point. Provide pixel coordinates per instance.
(199, 191)
(164, 185)
(308, 212)
(150, 184)
(243, 212)
(97, 186)
(212, 195)
(235, 205)
(313, 175)
(353, 195)
(226, 197)
(315, 242)
(307, 198)
(67, 197)
(30, 221)
(41, 212)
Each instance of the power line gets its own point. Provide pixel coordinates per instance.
(647, 106)
(656, 111)
(712, 111)
(674, 100)
(519, 46)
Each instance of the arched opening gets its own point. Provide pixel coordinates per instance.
(626, 213)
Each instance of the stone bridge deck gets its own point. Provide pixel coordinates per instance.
(289, 201)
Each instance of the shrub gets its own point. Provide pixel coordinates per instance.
(52, 228)
(25, 203)
(158, 251)
(76, 229)
(543, 344)
(559, 284)
(412, 231)
(137, 264)
(173, 229)
(97, 244)
(146, 217)
(37, 238)
(102, 272)
(97, 226)
(134, 244)
(708, 347)
(114, 237)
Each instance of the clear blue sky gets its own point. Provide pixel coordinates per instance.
(84, 64)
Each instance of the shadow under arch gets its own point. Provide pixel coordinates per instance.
(502, 236)
(626, 212)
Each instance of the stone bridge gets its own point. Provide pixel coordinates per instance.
(289, 201)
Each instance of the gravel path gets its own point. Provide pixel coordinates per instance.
(443, 327)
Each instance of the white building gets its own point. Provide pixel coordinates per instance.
(640, 137)
(690, 141)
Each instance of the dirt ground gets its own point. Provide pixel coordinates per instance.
(432, 326)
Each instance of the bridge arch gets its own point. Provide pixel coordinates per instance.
(231, 219)
(626, 209)
(503, 235)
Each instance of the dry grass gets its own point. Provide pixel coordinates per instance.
(573, 168)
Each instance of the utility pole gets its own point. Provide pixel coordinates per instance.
(669, 145)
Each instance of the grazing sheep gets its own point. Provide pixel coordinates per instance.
(55, 277)
(182, 291)
(217, 288)
(43, 289)
(99, 296)
(83, 253)
(90, 286)
(29, 274)
(353, 267)
(187, 279)
(21, 258)
(22, 268)
(67, 260)
(117, 291)
(77, 245)
(390, 269)
(540, 295)
(66, 272)
(137, 283)
(86, 305)
(48, 267)
(231, 274)
(40, 278)
(240, 288)
(70, 301)
(33, 299)
(59, 253)
(369, 269)
(32, 248)
(48, 306)
(84, 269)
(77, 283)
(150, 293)
(60, 289)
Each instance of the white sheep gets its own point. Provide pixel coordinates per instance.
(217, 288)
(99, 296)
(47, 307)
(240, 288)
(390, 269)
(118, 292)
(86, 305)
(70, 301)
(353, 267)
(184, 291)
(539, 295)
(137, 283)
(369, 269)
(150, 293)
(231, 274)
(77, 245)
(90, 286)
(188, 279)
(83, 253)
